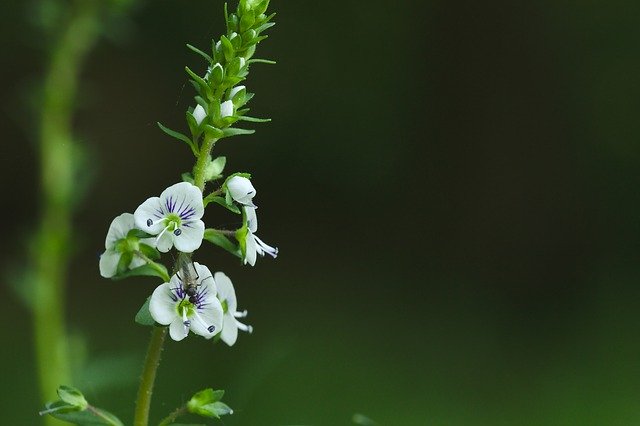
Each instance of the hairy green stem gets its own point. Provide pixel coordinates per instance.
(151, 363)
(173, 416)
(201, 163)
(58, 155)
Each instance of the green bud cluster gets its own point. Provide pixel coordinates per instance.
(228, 64)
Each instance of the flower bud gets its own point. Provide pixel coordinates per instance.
(199, 114)
(241, 190)
(226, 109)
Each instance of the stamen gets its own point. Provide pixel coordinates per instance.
(177, 232)
(149, 222)
(161, 233)
(185, 320)
(242, 314)
(271, 251)
(244, 327)
(210, 328)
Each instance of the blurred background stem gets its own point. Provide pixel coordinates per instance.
(59, 155)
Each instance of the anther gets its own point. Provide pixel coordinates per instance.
(149, 222)
(211, 328)
(177, 232)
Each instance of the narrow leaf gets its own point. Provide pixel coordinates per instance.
(216, 237)
(233, 131)
(200, 52)
(156, 270)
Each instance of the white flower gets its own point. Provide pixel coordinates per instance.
(174, 217)
(199, 114)
(226, 109)
(117, 242)
(201, 313)
(241, 190)
(230, 324)
(254, 246)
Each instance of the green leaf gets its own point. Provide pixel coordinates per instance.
(139, 234)
(233, 131)
(223, 202)
(213, 169)
(200, 52)
(362, 420)
(148, 270)
(179, 136)
(216, 237)
(187, 177)
(261, 61)
(143, 317)
(215, 410)
(213, 132)
(72, 396)
(200, 83)
(254, 119)
(227, 48)
(89, 417)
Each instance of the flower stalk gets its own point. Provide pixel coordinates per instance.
(151, 363)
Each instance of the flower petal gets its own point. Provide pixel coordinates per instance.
(165, 241)
(229, 333)
(184, 199)
(190, 238)
(148, 217)
(118, 229)
(205, 279)
(226, 292)
(241, 190)
(226, 109)
(199, 114)
(210, 316)
(162, 305)
(251, 250)
(109, 263)
(177, 330)
(252, 218)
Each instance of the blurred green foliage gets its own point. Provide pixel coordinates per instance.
(452, 187)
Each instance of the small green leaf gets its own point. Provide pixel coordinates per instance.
(254, 119)
(227, 48)
(179, 136)
(139, 234)
(213, 132)
(92, 417)
(214, 168)
(143, 317)
(233, 131)
(200, 52)
(215, 410)
(362, 420)
(72, 396)
(155, 270)
(261, 61)
(216, 237)
(223, 202)
(187, 177)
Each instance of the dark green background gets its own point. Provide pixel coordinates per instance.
(452, 187)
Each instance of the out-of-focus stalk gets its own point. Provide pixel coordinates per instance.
(59, 156)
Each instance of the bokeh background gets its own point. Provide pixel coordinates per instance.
(452, 187)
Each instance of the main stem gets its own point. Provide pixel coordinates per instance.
(151, 363)
(152, 360)
(58, 153)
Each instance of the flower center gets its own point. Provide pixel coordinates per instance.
(186, 305)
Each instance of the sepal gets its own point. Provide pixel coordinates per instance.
(206, 403)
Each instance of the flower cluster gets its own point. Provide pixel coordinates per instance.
(193, 299)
